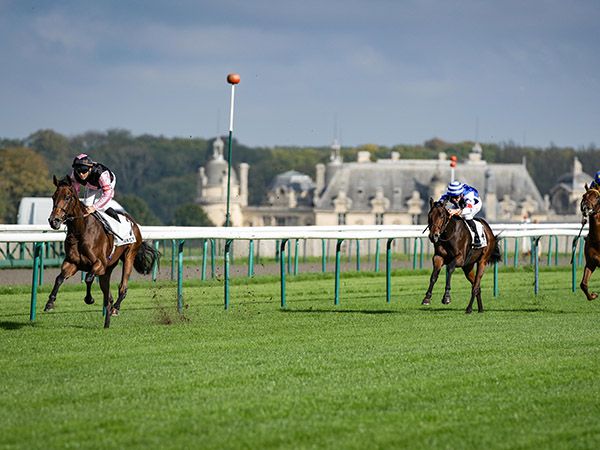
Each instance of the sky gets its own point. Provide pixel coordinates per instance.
(363, 71)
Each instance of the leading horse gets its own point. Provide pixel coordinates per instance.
(590, 208)
(452, 244)
(88, 247)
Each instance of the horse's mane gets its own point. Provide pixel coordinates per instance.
(66, 181)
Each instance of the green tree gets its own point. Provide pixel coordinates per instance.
(23, 173)
(138, 209)
(191, 214)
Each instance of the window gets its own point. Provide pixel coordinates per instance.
(378, 218)
(341, 218)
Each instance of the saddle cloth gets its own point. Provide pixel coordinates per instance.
(480, 232)
(121, 229)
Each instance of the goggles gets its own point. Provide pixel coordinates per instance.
(82, 168)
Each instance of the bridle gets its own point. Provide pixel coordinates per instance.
(593, 210)
(446, 222)
(66, 216)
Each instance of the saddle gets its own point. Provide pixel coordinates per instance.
(117, 225)
(480, 232)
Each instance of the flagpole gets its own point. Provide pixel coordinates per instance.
(232, 79)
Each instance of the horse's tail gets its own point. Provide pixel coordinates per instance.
(496, 253)
(145, 258)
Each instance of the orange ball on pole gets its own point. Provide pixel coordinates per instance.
(233, 78)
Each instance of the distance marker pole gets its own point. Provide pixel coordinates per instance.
(232, 79)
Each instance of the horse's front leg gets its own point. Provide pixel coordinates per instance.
(108, 300)
(438, 262)
(67, 270)
(587, 273)
(446, 299)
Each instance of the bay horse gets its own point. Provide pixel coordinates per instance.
(452, 244)
(590, 208)
(88, 247)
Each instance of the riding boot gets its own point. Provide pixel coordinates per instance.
(476, 240)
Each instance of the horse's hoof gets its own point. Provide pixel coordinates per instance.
(593, 296)
(468, 311)
(89, 300)
(114, 312)
(49, 307)
(426, 302)
(446, 301)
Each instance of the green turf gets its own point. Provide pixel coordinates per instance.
(364, 374)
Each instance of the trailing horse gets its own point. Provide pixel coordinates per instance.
(590, 208)
(452, 244)
(88, 247)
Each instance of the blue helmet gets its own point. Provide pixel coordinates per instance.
(597, 177)
(455, 188)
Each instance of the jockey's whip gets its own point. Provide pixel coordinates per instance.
(583, 222)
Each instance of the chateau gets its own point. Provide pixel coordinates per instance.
(386, 191)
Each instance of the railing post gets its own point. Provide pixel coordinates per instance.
(37, 250)
(296, 257)
(282, 271)
(204, 249)
(420, 253)
(338, 246)
(228, 243)
(388, 270)
(516, 257)
(180, 276)
(534, 247)
(377, 255)
(156, 261)
(495, 278)
(251, 258)
(323, 256)
(357, 255)
(212, 258)
(415, 254)
(42, 255)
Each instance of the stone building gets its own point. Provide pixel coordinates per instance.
(361, 192)
(566, 194)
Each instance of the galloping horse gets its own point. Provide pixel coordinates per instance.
(452, 243)
(590, 208)
(89, 247)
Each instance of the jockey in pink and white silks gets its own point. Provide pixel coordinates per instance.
(98, 181)
(464, 200)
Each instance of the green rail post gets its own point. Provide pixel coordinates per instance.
(227, 248)
(556, 250)
(212, 258)
(534, 247)
(574, 264)
(282, 271)
(204, 249)
(415, 254)
(323, 256)
(338, 246)
(505, 259)
(581, 246)
(388, 270)
(296, 257)
(289, 261)
(37, 250)
(173, 251)
(377, 256)
(357, 255)
(180, 276)
(420, 253)
(156, 262)
(42, 255)
(495, 278)
(516, 257)
(251, 258)
(277, 255)
(549, 259)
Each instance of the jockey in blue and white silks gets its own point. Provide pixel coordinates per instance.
(464, 200)
(595, 184)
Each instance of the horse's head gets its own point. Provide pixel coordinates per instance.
(64, 202)
(438, 219)
(590, 202)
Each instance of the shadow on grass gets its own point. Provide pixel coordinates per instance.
(341, 311)
(9, 325)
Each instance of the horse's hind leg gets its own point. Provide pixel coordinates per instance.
(446, 299)
(476, 289)
(67, 270)
(587, 273)
(89, 280)
(438, 262)
(108, 300)
(127, 268)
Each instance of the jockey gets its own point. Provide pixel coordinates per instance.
(464, 200)
(595, 184)
(98, 180)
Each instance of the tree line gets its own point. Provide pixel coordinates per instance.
(157, 176)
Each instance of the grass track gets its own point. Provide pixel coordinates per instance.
(362, 375)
